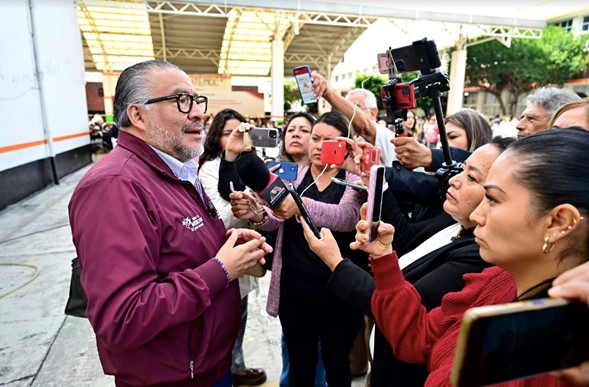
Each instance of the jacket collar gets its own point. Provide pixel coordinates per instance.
(144, 152)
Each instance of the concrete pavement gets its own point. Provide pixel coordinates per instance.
(39, 344)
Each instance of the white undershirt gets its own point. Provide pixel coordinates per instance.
(439, 239)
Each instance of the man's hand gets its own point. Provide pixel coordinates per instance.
(411, 153)
(243, 249)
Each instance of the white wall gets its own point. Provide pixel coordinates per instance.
(60, 86)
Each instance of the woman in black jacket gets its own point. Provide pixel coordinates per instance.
(433, 255)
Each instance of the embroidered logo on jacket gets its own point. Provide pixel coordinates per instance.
(193, 223)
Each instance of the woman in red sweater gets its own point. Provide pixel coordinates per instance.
(532, 226)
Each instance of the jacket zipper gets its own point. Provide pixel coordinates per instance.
(191, 362)
(191, 356)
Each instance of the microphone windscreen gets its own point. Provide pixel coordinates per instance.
(252, 171)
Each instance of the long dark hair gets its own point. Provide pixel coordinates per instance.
(213, 141)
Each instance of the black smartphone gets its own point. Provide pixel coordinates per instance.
(302, 76)
(375, 186)
(421, 55)
(303, 210)
(264, 137)
(286, 171)
(520, 339)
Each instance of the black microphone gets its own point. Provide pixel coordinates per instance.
(254, 173)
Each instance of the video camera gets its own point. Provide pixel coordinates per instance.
(398, 96)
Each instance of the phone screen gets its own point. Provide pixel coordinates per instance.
(511, 341)
(303, 78)
(375, 187)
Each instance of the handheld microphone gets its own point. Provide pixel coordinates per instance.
(254, 173)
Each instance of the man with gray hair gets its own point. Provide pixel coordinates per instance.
(158, 266)
(540, 105)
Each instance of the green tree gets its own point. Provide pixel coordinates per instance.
(372, 83)
(530, 63)
(290, 94)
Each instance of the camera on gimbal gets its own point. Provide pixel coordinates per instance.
(399, 96)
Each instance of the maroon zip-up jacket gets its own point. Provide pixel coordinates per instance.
(160, 307)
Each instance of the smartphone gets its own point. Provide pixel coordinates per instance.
(411, 58)
(520, 339)
(303, 210)
(333, 152)
(264, 137)
(370, 157)
(286, 171)
(375, 186)
(302, 76)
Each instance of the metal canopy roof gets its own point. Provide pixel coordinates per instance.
(208, 39)
(235, 39)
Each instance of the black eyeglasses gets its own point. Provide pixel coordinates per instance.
(184, 102)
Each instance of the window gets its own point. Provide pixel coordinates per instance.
(585, 26)
(567, 25)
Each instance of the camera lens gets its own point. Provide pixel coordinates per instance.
(273, 134)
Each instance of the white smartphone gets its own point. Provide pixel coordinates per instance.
(511, 341)
(375, 186)
(302, 76)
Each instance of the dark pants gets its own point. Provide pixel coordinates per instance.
(309, 312)
(237, 359)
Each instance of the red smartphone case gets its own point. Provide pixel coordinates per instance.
(370, 157)
(333, 152)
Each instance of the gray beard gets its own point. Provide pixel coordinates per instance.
(171, 143)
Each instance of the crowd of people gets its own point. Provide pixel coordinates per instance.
(167, 267)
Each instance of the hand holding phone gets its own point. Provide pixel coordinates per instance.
(333, 152)
(370, 157)
(302, 76)
(375, 187)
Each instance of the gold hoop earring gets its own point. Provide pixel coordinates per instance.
(547, 248)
